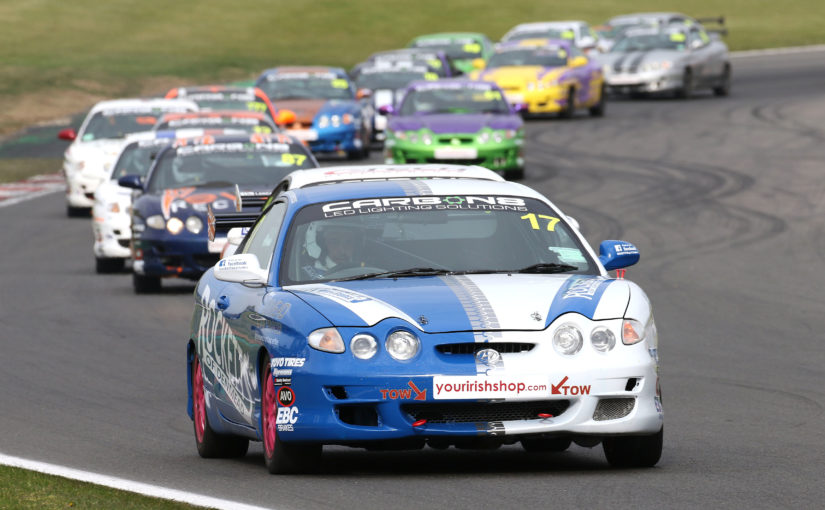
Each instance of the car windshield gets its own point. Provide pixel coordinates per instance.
(443, 99)
(105, 124)
(409, 236)
(543, 33)
(137, 157)
(432, 60)
(306, 86)
(228, 103)
(247, 124)
(388, 79)
(544, 57)
(456, 49)
(646, 42)
(226, 163)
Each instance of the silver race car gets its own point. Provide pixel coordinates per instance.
(675, 59)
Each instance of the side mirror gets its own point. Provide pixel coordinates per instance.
(519, 108)
(479, 63)
(284, 117)
(363, 93)
(578, 61)
(130, 181)
(617, 254)
(67, 134)
(242, 268)
(387, 109)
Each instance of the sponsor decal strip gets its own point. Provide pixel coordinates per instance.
(579, 294)
(446, 387)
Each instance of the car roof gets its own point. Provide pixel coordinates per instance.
(408, 188)
(534, 43)
(538, 25)
(147, 104)
(360, 173)
(304, 69)
(451, 35)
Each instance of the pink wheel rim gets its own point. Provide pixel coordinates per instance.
(198, 400)
(269, 413)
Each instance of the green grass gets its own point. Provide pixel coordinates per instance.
(22, 489)
(18, 169)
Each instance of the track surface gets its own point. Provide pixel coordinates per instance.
(725, 199)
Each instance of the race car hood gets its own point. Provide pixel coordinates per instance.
(439, 304)
(307, 109)
(184, 202)
(455, 123)
(104, 150)
(517, 76)
(633, 60)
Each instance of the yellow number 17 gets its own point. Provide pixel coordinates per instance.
(534, 222)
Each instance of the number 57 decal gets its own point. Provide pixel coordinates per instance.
(534, 221)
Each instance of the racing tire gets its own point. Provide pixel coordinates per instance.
(145, 284)
(108, 266)
(570, 109)
(78, 212)
(546, 444)
(687, 85)
(597, 110)
(633, 451)
(723, 88)
(210, 444)
(279, 457)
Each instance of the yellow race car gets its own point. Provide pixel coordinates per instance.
(546, 76)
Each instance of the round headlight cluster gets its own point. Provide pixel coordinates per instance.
(567, 339)
(194, 224)
(483, 137)
(363, 346)
(602, 339)
(426, 138)
(156, 222)
(174, 226)
(323, 121)
(402, 345)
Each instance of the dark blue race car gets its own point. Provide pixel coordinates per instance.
(169, 214)
(406, 313)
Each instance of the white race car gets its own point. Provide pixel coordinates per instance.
(111, 222)
(95, 146)
(577, 31)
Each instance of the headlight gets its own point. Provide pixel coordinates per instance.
(483, 137)
(335, 120)
(655, 66)
(346, 118)
(326, 339)
(606, 69)
(156, 221)
(194, 224)
(531, 86)
(323, 121)
(174, 226)
(363, 346)
(412, 136)
(602, 339)
(402, 345)
(114, 207)
(427, 138)
(567, 339)
(401, 135)
(633, 332)
(498, 136)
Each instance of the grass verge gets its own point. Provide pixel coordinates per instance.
(23, 490)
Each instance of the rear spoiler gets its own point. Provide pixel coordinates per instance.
(716, 20)
(224, 222)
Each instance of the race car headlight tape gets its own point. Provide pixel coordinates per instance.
(402, 345)
(194, 224)
(156, 222)
(326, 339)
(174, 226)
(567, 339)
(363, 346)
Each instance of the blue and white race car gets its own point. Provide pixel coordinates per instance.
(399, 314)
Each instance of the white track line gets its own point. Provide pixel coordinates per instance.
(778, 51)
(126, 485)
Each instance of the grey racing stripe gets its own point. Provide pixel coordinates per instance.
(634, 66)
(479, 312)
(413, 187)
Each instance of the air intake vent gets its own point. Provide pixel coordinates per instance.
(473, 347)
(613, 408)
(474, 412)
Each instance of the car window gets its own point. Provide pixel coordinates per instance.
(261, 240)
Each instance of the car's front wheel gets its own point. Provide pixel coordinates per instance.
(633, 451)
(722, 89)
(570, 109)
(279, 457)
(211, 445)
(597, 110)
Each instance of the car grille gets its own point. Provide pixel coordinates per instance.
(613, 408)
(474, 412)
(448, 140)
(476, 161)
(472, 347)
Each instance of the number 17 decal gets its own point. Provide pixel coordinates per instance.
(534, 222)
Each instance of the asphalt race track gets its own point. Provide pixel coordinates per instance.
(725, 198)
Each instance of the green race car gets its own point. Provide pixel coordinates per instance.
(467, 51)
(456, 121)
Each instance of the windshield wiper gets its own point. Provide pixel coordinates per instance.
(545, 267)
(413, 271)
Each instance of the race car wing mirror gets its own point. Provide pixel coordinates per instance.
(67, 134)
(578, 61)
(363, 93)
(242, 268)
(284, 117)
(617, 254)
(130, 181)
(386, 110)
